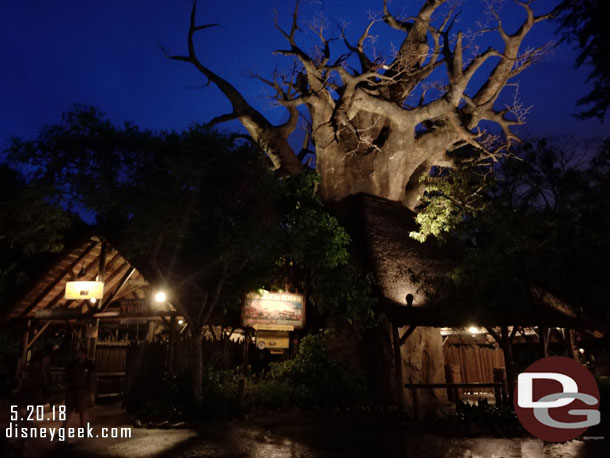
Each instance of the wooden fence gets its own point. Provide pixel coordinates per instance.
(110, 368)
(147, 365)
(472, 363)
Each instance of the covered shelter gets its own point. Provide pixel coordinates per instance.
(128, 309)
(408, 283)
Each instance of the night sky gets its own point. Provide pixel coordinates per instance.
(107, 53)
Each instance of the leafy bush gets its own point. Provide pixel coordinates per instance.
(312, 379)
(604, 395)
(472, 419)
(171, 401)
(220, 394)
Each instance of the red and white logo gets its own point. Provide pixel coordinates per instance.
(557, 399)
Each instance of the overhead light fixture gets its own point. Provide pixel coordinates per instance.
(84, 290)
(160, 296)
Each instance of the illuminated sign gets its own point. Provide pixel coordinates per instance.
(142, 307)
(272, 340)
(274, 309)
(84, 290)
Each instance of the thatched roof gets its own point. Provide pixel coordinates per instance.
(122, 281)
(401, 265)
(380, 229)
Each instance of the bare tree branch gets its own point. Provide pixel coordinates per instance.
(376, 126)
(272, 140)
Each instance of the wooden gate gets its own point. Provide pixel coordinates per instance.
(110, 368)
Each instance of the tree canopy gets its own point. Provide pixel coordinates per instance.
(31, 228)
(534, 221)
(204, 210)
(584, 22)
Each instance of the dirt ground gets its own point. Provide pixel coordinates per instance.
(303, 435)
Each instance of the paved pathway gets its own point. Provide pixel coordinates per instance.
(313, 435)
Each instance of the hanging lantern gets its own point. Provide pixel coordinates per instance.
(84, 290)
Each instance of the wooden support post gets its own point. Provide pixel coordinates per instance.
(25, 337)
(504, 340)
(570, 340)
(544, 337)
(91, 338)
(500, 378)
(246, 354)
(150, 334)
(508, 360)
(242, 382)
(172, 346)
(397, 368)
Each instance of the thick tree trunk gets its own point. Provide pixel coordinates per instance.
(391, 172)
(423, 362)
(197, 362)
(507, 349)
(366, 136)
(390, 176)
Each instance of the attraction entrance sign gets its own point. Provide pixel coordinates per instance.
(273, 310)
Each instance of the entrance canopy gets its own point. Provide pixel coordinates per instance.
(127, 293)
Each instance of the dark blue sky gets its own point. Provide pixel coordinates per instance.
(106, 53)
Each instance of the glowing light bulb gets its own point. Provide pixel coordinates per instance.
(160, 296)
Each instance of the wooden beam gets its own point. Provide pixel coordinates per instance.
(406, 335)
(512, 333)
(38, 334)
(124, 279)
(25, 337)
(54, 283)
(101, 271)
(494, 334)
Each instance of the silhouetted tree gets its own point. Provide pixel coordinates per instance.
(584, 22)
(203, 210)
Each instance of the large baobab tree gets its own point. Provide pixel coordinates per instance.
(377, 122)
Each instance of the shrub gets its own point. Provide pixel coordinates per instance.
(314, 378)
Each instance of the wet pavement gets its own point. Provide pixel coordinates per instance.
(302, 435)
